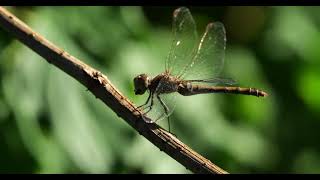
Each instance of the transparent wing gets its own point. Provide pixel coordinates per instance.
(184, 40)
(208, 59)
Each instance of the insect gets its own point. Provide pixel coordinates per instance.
(192, 67)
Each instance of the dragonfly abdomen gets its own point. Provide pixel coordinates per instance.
(202, 89)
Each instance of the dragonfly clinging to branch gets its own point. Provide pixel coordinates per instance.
(192, 67)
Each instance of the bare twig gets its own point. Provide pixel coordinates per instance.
(102, 88)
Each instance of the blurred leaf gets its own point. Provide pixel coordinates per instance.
(308, 86)
(307, 162)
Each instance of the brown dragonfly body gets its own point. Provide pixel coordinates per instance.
(187, 88)
(202, 60)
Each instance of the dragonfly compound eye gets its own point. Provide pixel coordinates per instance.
(140, 85)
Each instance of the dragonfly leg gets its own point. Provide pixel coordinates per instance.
(151, 104)
(166, 110)
(145, 102)
(150, 108)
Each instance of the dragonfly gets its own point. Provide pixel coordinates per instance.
(192, 67)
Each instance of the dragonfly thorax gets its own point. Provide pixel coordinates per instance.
(141, 84)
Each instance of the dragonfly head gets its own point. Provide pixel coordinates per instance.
(141, 83)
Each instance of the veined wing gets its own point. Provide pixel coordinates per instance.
(184, 40)
(207, 61)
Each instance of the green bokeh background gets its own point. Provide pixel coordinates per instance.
(49, 123)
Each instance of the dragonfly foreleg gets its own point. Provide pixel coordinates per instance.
(166, 110)
(150, 94)
(151, 104)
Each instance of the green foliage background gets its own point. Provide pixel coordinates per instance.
(49, 123)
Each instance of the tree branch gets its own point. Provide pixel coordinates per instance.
(101, 87)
